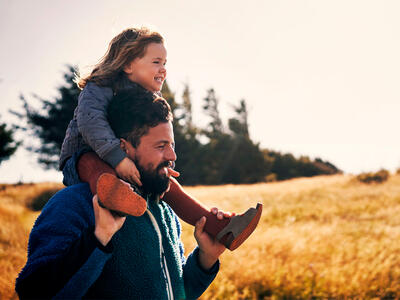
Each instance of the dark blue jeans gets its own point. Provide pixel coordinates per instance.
(70, 171)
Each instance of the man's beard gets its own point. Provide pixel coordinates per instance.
(152, 181)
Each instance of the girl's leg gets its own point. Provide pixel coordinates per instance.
(232, 232)
(113, 193)
(90, 167)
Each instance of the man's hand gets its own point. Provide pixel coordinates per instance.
(210, 249)
(106, 223)
(221, 214)
(127, 171)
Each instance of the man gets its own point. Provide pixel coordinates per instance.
(77, 249)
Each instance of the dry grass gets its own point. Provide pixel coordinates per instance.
(16, 221)
(323, 237)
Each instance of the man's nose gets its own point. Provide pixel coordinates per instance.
(170, 154)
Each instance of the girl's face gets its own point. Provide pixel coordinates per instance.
(149, 71)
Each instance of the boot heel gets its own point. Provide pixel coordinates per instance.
(240, 228)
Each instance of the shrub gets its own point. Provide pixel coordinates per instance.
(271, 177)
(40, 200)
(371, 177)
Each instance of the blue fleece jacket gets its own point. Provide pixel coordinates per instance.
(129, 267)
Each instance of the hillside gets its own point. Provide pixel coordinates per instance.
(321, 237)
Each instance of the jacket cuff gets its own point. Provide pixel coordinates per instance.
(114, 156)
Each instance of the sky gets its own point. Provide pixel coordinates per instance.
(321, 78)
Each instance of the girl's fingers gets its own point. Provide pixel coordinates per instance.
(173, 173)
(137, 174)
(138, 181)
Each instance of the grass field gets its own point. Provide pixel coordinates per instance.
(321, 237)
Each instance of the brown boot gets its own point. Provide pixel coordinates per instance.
(240, 228)
(118, 196)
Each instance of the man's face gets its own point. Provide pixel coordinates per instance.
(154, 154)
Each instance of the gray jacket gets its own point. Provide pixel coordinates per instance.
(89, 128)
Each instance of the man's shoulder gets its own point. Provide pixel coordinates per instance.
(73, 193)
(76, 198)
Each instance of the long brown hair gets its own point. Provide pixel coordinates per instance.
(123, 49)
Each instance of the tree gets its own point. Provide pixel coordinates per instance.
(50, 122)
(211, 109)
(239, 125)
(7, 144)
(188, 148)
(231, 157)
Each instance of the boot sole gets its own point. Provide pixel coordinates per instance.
(119, 197)
(229, 239)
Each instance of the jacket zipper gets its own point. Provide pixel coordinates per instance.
(163, 261)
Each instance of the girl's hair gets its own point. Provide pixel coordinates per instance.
(123, 49)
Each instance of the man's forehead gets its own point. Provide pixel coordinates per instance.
(161, 132)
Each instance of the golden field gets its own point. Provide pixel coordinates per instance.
(318, 238)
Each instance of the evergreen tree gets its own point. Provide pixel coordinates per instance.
(187, 110)
(50, 122)
(211, 109)
(239, 125)
(7, 144)
(244, 163)
(188, 148)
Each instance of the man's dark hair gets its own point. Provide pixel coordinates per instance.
(131, 114)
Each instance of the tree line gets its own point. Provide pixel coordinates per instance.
(216, 154)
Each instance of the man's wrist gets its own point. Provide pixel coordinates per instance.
(206, 260)
(101, 237)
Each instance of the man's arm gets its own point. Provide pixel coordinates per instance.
(202, 264)
(65, 256)
(51, 276)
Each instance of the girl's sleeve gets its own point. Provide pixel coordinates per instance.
(93, 124)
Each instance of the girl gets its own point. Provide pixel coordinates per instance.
(135, 58)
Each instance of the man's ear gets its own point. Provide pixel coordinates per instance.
(125, 145)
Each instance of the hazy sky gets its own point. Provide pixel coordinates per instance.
(321, 78)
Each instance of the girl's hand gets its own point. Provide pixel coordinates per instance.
(127, 171)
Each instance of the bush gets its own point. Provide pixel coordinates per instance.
(371, 177)
(271, 177)
(40, 200)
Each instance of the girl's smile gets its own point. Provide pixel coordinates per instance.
(149, 71)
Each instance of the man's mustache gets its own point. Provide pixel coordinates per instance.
(167, 164)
